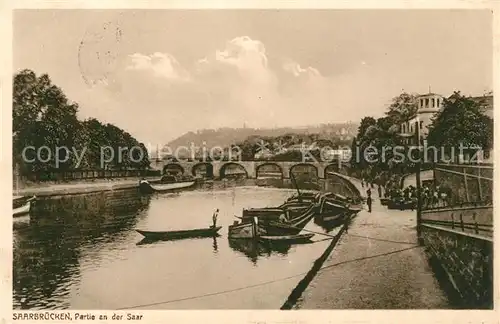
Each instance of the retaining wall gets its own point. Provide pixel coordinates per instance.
(465, 260)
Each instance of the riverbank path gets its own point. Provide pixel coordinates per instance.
(376, 265)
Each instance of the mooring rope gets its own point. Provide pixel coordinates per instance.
(263, 283)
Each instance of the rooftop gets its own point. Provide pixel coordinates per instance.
(429, 94)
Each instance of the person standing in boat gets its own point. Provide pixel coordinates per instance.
(369, 200)
(214, 217)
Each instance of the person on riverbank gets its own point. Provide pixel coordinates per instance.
(214, 217)
(369, 200)
(379, 191)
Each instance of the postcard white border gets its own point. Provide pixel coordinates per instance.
(229, 316)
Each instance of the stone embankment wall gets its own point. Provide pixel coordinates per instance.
(459, 237)
(94, 204)
(465, 261)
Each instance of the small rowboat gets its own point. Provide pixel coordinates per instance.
(25, 208)
(299, 238)
(244, 230)
(146, 186)
(401, 204)
(172, 235)
(355, 208)
(334, 217)
(384, 201)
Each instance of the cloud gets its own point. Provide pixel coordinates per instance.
(228, 87)
(295, 69)
(162, 65)
(248, 56)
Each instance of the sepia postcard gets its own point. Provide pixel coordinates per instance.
(249, 162)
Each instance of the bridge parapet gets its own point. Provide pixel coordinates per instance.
(219, 168)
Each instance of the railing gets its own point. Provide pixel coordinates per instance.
(468, 217)
(443, 204)
(460, 225)
(466, 184)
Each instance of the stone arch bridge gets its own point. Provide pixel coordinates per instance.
(249, 169)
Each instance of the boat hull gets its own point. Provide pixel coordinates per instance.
(22, 205)
(384, 201)
(300, 238)
(401, 205)
(271, 225)
(331, 218)
(148, 187)
(246, 230)
(22, 211)
(291, 227)
(332, 210)
(173, 235)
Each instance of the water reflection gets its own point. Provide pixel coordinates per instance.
(78, 251)
(47, 249)
(253, 249)
(328, 226)
(214, 244)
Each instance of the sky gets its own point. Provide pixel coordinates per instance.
(160, 73)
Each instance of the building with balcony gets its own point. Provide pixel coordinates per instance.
(428, 106)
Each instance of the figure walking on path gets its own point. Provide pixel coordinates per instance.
(369, 200)
(379, 191)
(214, 217)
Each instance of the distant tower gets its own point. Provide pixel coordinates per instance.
(428, 105)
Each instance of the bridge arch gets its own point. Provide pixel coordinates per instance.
(304, 171)
(203, 169)
(173, 168)
(232, 169)
(269, 170)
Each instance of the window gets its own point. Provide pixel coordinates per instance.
(438, 102)
(421, 124)
(421, 103)
(403, 128)
(427, 103)
(433, 102)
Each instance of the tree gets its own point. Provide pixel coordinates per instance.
(461, 121)
(363, 126)
(354, 161)
(402, 108)
(44, 117)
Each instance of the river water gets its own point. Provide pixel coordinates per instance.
(85, 260)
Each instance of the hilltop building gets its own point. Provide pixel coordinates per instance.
(428, 106)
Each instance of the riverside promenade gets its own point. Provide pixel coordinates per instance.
(72, 188)
(377, 264)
